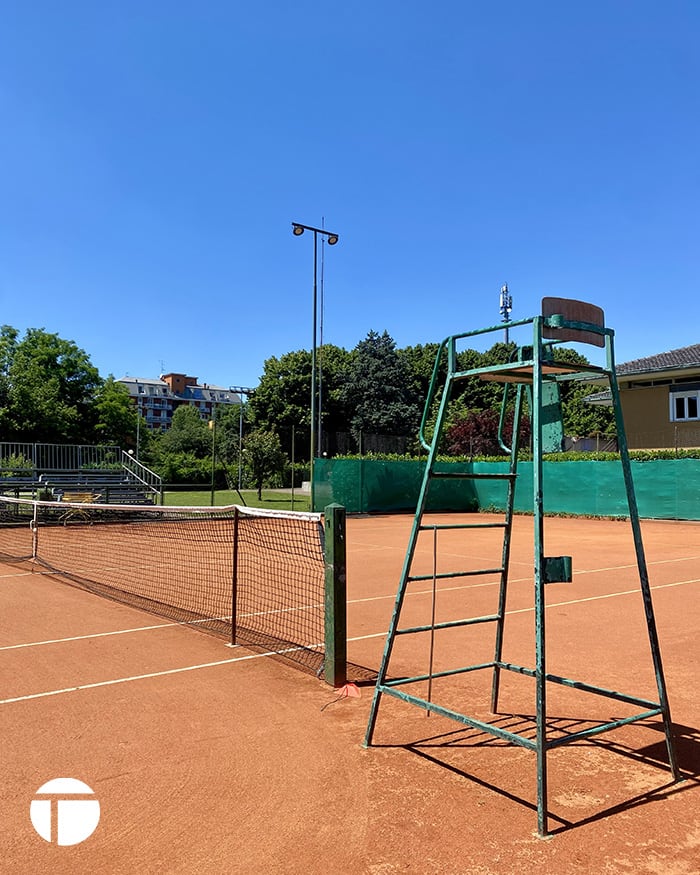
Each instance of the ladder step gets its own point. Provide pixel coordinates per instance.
(449, 624)
(465, 475)
(441, 526)
(450, 574)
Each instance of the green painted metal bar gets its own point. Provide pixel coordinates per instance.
(477, 331)
(488, 728)
(432, 389)
(641, 562)
(572, 737)
(492, 369)
(413, 540)
(335, 662)
(558, 321)
(590, 372)
(448, 672)
(540, 638)
(580, 685)
(448, 575)
(505, 554)
(469, 475)
(448, 624)
(443, 526)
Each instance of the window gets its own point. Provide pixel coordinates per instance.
(684, 405)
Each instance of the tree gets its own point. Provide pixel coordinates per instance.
(188, 433)
(477, 434)
(581, 419)
(377, 389)
(282, 400)
(263, 457)
(116, 416)
(419, 361)
(48, 388)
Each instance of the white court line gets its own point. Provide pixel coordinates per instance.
(377, 598)
(513, 580)
(108, 634)
(591, 598)
(141, 677)
(171, 671)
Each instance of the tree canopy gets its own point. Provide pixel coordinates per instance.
(51, 392)
(377, 389)
(48, 388)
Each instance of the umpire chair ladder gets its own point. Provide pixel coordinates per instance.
(536, 376)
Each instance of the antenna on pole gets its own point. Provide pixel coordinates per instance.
(505, 306)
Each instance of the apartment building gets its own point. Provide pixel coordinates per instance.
(157, 399)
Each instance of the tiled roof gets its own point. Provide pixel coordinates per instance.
(685, 357)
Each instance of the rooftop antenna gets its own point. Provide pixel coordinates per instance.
(505, 306)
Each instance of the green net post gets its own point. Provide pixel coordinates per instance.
(336, 599)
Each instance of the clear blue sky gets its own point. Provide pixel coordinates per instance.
(154, 154)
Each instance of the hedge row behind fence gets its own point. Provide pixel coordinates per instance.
(668, 489)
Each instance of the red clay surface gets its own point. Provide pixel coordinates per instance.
(210, 759)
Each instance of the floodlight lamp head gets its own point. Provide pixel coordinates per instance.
(332, 239)
(297, 230)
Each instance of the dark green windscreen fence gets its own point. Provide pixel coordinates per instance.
(666, 489)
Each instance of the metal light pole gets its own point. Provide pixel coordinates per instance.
(332, 239)
(212, 428)
(240, 391)
(138, 426)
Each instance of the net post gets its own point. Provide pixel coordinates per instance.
(335, 666)
(234, 578)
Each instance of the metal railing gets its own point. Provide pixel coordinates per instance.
(57, 457)
(151, 481)
(32, 465)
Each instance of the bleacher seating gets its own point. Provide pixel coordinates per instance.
(107, 487)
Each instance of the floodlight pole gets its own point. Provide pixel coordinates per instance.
(240, 391)
(212, 428)
(332, 239)
(138, 426)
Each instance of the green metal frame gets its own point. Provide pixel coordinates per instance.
(335, 660)
(533, 372)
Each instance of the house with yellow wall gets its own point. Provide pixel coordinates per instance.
(660, 398)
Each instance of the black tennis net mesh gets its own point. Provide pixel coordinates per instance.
(254, 577)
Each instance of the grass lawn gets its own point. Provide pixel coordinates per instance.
(222, 497)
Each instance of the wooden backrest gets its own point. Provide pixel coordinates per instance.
(573, 311)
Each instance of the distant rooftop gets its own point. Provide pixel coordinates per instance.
(184, 388)
(685, 357)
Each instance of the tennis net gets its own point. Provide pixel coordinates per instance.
(259, 578)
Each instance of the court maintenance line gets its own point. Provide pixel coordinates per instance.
(235, 659)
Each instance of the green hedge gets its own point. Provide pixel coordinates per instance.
(570, 456)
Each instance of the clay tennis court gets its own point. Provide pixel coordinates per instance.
(207, 758)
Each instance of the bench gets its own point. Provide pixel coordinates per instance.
(82, 513)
